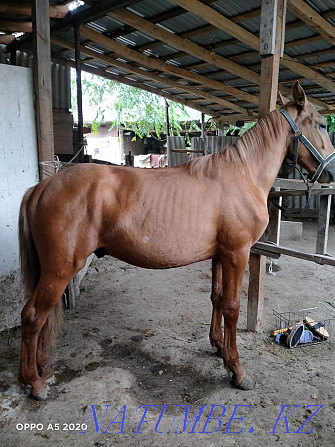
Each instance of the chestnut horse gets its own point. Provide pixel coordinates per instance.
(213, 207)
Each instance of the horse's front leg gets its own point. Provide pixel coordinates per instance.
(233, 267)
(215, 333)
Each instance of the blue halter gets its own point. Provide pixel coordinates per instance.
(298, 135)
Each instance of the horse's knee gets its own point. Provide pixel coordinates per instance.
(231, 310)
(28, 315)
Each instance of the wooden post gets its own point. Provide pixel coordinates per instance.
(323, 225)
(80, 141)
(271, 48)
(167, 120)
(273, 230)
(272, 31)
(13, 56)
(257, 264)
(203, 126)
(42, 86)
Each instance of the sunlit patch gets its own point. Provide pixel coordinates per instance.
(75, 4)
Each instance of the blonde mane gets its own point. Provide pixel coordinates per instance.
(249, 149)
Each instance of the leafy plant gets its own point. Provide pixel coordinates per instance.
(134, 109)
(330, 123)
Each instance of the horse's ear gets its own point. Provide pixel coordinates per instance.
(299, 95)
(282, 99)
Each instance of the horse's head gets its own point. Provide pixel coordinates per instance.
(309, 140)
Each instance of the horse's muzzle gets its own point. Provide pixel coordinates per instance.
(328, 174)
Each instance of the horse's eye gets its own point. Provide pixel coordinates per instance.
(323, 126)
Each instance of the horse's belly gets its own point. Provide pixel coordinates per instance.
(160, 251)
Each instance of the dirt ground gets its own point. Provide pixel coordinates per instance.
(140, 337)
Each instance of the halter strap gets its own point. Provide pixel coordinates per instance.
(298, 135)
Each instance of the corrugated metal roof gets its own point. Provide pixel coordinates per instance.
(148, 8)
(302, 40)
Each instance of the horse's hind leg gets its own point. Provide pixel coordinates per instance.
(215, 333)
(35, 313)
(45, 339)
(233, 267)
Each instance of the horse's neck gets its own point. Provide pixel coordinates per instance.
(269, 147)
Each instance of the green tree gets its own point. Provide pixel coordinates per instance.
(331, 123)
(134, 109)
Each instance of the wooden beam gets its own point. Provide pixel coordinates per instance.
(23, 7)
(211, 16)
(312, 19)
(219, 21)
(15, 26)
(204, 29)
(157, 64)
(150, 75)
(42, 85)
(161, 17)
(191, 48)
(267, 249)
(308, 73)
(6, 39)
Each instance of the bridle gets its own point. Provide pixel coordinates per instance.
(298, 135)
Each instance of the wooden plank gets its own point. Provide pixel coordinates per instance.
(314, 20)
(15, 26)
(6, 39)
(273, 230)
(323, 225)
(267, 30)
(270, 63)
(219, 21)
(257, 266)
(308, 73)
(42, 85)
(267, 249)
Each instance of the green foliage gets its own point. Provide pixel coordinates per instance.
(330, 123)
(242, 129)
(134, 109)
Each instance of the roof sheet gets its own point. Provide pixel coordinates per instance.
(303, 43)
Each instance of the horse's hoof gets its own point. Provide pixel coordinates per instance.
(42, 395)
(51, 380)
(246, 384)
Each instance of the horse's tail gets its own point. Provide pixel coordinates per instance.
(30, 270)
(29, 261)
